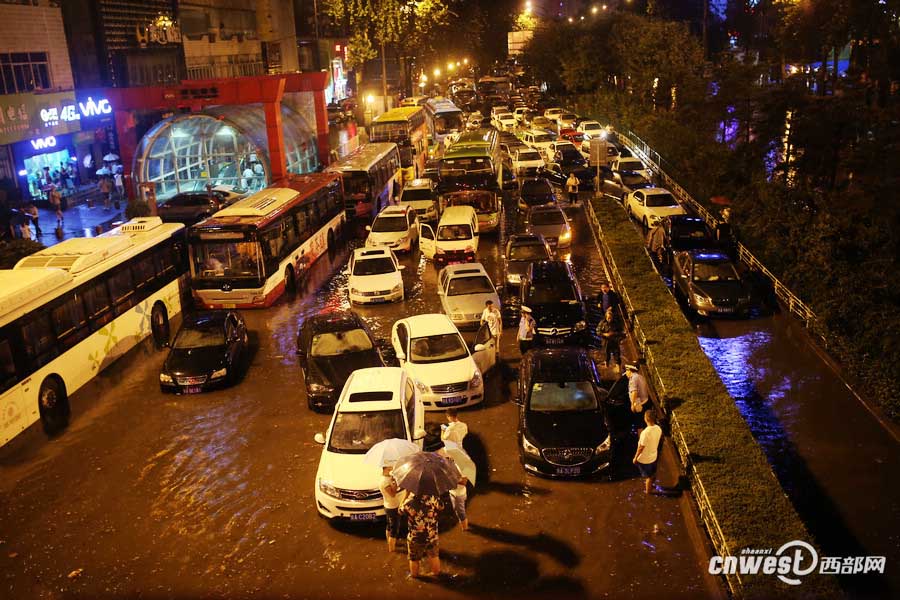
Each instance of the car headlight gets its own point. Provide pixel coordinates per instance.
(319, 388)
(354, 291)
(701, 299)
(438, 250)
(566, 236)
(655, 220)
(422, 387)
(476, 381)
(326, 488)
(530, 448)
(604, 447)
(397, 288)
(514, 278)
(165, 378)
(580, 326)
(219, 373)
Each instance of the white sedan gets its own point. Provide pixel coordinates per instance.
(375, 276)
(505, 121)
(649, 206)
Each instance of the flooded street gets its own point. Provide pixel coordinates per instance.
(211, 495)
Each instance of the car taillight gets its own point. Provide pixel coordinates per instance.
(470, 249)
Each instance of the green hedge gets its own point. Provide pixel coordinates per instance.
(743, 493)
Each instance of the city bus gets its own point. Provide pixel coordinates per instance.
(406, 127)
(371, 173)
(444, 119)
(471, 173)
(247, 255)
(69, 311)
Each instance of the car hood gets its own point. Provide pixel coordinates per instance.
(557, 314)
(565, 429)
(732, 290)
(665, 211)
(385, 237)
(469, 303)
(347, 471)
(374, 283)
(442, 372)
(335, 370)
(548, 231)
(518, 267)
(195, 361)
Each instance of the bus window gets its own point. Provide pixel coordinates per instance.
(37, 334)
(7, 366)
(165, 259)
(144, 271)
(121, 285)
(96, 299)
(302, 218)
(69, 321)
(322, 205)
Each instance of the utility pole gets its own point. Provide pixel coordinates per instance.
(705, 18)
(383, 79)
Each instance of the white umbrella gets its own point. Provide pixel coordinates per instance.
(387, 452)
(111, 157)
(463, 461)
(104, 171)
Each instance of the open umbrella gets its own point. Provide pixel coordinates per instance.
(463, 461)
(104, 171)
(387, 452)
(426, 473)
(110, 157)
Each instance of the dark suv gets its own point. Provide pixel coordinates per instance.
(551, 291)
(562, 422)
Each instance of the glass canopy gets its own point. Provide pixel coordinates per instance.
(222, 145)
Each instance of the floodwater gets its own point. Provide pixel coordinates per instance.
(211, 495)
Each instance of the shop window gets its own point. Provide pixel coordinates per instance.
(23, 72)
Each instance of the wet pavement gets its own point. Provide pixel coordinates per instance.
(212, 495)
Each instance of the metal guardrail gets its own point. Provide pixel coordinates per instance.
(794, 304)
(714, 530)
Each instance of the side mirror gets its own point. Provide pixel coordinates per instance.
(368, 228)
(401, 267)
(419, 434)
(319, 438)
(479, 347)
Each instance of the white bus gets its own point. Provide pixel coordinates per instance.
(247, 255)
(69, 311)
(444, 119)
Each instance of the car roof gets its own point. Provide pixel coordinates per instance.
(372, 379)
(394, 210)
(430, 324)
(550, 269)
(655, 190)
(333, 321)
(367, 253)
(561, 364)
(526, 238)
(545, 208)
(466, 269)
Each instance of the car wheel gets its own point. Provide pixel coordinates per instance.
(53, 405)
(159, 325)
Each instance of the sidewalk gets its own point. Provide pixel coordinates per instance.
(78, 221)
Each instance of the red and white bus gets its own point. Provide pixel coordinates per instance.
(247, 255)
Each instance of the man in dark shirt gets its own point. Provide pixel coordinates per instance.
(607, 298)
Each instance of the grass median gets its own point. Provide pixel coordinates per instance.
(744, 496)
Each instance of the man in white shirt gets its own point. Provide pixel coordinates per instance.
(647, 455)
(494, 320)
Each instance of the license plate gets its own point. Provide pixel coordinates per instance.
(456, 262)
(367, 516)
(193, 389)
(726, 310)
(553, 340)
(568, 470)
(229, 305)
(378, 300)
(453, 400)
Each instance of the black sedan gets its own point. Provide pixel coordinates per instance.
(535, 191)
(686, 232)
(558, 175)
(330, 347)
(709, 283)
(209, 351)
(190, 207)
(562, 423)
(521, 251)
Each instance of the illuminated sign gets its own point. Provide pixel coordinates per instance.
(95, 109)
(44, 143)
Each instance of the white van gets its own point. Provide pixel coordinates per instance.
(456, 237)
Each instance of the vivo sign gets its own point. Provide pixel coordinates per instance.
(95, 109)
(44, 143)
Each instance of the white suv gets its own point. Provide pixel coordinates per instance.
(375, 276)
(431, 350)
(505, 121)
(377, 403)
(396, 227)
(420, 196)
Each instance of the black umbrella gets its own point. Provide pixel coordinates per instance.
(426, 473)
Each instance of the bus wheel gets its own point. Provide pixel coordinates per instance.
(53, 405)
(290, 281)
(159, 325)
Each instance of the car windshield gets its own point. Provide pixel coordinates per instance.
(547, 217)
(477, 284)
(357, 432)
(528, 252)
(631, 165)
(437, 348)
(715, 271)
(334, 343)
(449, 233)
(547, 293)
(563, 396)
(659, 200)
(690, 230)
(542, 138)
(529, 156)
(201, 337)
(634, 179)
(416, 194)
(570, 155)
(591, 126)
(567, 117)
(373, 266)
(390, 224)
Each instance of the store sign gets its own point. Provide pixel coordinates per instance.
(44, 143)
(162, 30)
(33, 116)
(95, 109)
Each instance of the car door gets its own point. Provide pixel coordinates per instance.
(637, 205)
(400, 341)
(413, 222)
(486, 357)
(682, 273)
(426, 240)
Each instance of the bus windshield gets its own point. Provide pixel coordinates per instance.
(447, 122)
(390, 132)
(356, 183)
(226, 259)
(455, 167)
(482, 202)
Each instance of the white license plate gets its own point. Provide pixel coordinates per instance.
(453, 400)
(378, 300)
(726, 310)
(193, 389)
(367, 516)
(568, 470)
(229, 305)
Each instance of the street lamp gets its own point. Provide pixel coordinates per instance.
(437, 73)
(594, 10)
(571, 19)
(528, 7)
(450, 66)
(465, 61)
